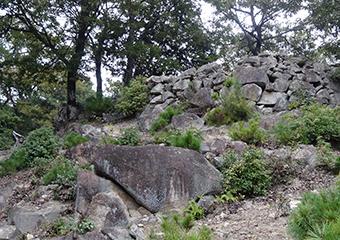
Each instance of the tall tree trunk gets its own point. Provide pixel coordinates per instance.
(76, 58)
(98, 60)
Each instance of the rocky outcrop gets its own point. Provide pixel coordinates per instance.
(158, 178)
(271, 81)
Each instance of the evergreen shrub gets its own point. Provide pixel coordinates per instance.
(247, 176)
(252, 134)
(133, 98)
(317, 217)
(72, 140)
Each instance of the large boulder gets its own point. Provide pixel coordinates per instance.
(159, 178)
(186, 121)
(252, 75)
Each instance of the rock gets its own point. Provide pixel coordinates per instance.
(252, 75)
(206, 201)
(108, 210)
(28, 219)
(6, 190)
(93, 133)
(90, 185)
(188, 74)
(268, 121)
(82, 152)
(67, 112)
(4, 155)
(270, 98)
(238, 146)
(117, 233)
(158, 178)
(280, 85)
(158, 89)
(97, 235)
(305, 154)
(312, 77)
(281, 105)
(181, 85)
(8, 232)
(202, 99)
(148, 116)
(186, 121)
(252, 91)
(218, 146)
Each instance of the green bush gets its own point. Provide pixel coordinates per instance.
(64, 173)
(8, 122)
(40, 143)
(235, 107)
(98, 106)
(191, 139)
(315, 121)
(217, 117)
(247, 176)
(164, 119)
(325, 157)
(130, 136)
(72, 139)
(133, 98)
(317, 217)
(252, 134)
(303, 97)
(177, 228)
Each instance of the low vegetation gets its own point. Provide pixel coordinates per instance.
(245, 177)
(176, 227)
(164, 119)
(317, 217)
(72, 140)
(234, 106)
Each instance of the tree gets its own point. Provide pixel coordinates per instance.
(159, 37)
(60, 28)
(325, 16)
(253, 25)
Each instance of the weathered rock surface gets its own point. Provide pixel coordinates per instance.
(26, 219)
(158, 178)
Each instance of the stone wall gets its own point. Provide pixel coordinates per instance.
(270, 80)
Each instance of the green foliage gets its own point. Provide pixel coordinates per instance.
(133, 98)
(315, 121)
(252, 134)
(247, 176)
(325, 157)
(61, 226)
(17, 161)
(235, 107)
(72, 139)
(226, 197)
(130, 136)
(40, 143)
(98, 106)
(228, 82)
(195, 210)
(216, 117)
(317, 217)
(304, 97)
(177, 228)
(8, 123)
(83, 226)
(191, 139)
(164, 119)
(64, 173)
